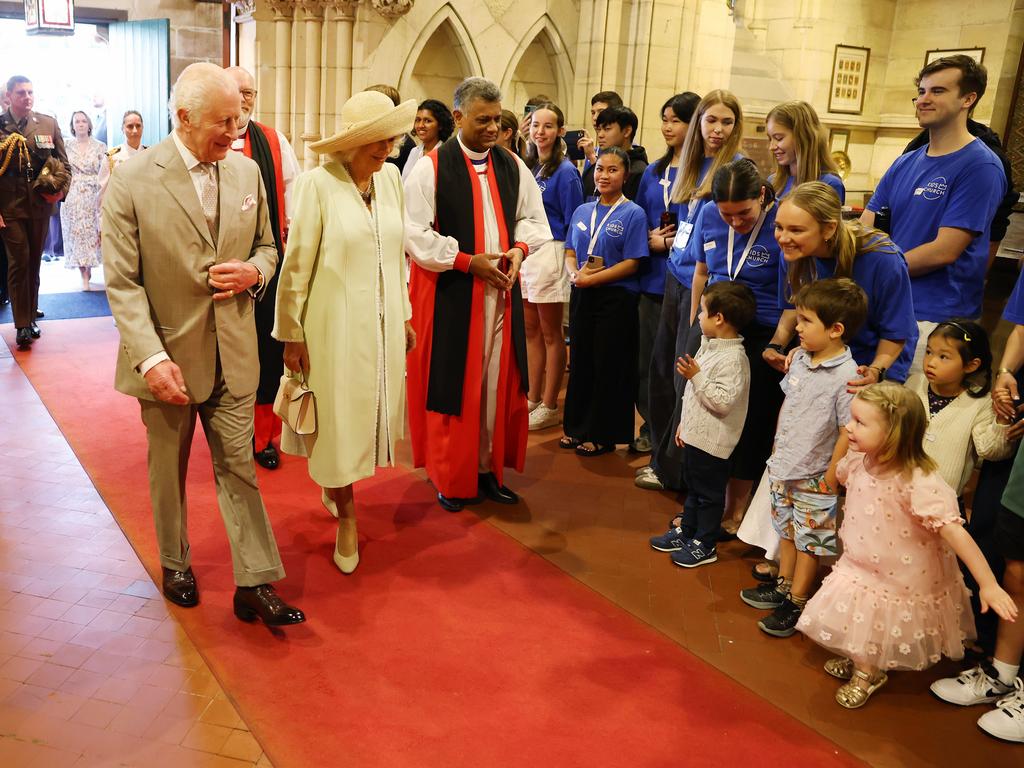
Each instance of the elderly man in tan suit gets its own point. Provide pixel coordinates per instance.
(187, 248)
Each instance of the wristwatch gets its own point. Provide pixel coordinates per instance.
(777, 347)
(881, 371)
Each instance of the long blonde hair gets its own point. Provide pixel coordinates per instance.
(850, 238)
(686, 186)
(903, 410)
(812, 153)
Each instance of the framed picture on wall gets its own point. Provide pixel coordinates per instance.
(975, 53)
(838, 140)
(849, 79)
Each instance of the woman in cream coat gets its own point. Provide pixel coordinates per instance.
(343, 308)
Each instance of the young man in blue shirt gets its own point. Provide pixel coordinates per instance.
(942, 198)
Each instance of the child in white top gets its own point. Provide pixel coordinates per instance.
(896, 599)
(714, 409)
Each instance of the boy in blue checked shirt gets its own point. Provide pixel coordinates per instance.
(809, 442)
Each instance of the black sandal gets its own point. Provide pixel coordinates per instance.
(568, 443)
(597, 450)
(765, 576)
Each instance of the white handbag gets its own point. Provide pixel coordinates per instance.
(296, 405)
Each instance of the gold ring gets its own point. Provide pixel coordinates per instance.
(231, 291)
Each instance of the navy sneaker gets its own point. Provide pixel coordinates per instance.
(764, 596)
(695, 554)
(673, 541)
(782, 621)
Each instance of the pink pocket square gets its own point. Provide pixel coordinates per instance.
(248, 203)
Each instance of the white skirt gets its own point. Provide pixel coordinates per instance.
(545, 279)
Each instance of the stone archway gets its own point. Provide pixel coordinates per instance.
(442, 56)
(541, 66)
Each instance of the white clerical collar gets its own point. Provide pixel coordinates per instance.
(469, 152)
(186, 153)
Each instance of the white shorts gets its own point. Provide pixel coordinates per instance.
(545, 279)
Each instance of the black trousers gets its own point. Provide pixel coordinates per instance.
(600, 395)
(23, 239)
(706, 477)
(766, 396)
(649, 313)
(665, 386)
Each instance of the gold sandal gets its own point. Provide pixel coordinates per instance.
(852, 696)
(840, 667)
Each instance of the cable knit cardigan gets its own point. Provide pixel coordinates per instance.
(961, 434)
(715, 400)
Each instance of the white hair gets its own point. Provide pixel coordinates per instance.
(195, 86)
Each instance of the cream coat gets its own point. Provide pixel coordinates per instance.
(333, 286)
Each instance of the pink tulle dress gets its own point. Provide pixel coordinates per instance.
(895, 599)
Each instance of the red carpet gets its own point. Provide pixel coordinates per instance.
(452, 645)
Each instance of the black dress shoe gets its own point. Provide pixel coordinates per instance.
(24, 338)
(499, 493)
(453, 504)
(40, 313)
(262, 603)
(268, 458)
(34, 330)
(180, 587)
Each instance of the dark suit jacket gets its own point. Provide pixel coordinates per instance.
(17, 198)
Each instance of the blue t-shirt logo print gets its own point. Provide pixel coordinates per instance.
(615, 228)
(934, 189)
(758, 256)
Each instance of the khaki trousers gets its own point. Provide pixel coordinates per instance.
(228, 424)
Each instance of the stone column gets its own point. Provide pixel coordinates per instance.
(313, 16)
(284, 11)
(338, 77)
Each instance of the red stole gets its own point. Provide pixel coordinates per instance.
(275, 151)
(448, 445)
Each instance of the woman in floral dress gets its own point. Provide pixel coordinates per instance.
(80, 213)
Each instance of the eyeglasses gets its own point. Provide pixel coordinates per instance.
(248, 93)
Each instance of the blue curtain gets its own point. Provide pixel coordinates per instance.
(141, 65)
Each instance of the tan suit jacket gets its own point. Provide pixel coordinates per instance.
(157, 252)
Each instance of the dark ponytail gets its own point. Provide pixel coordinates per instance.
(740, 180)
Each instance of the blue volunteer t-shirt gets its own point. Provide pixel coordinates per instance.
(1014, 312)
(762, 269)
(653, 198)
(962, 190)
(828, 178)
(562, 194)
(884, 277)
(623, 236)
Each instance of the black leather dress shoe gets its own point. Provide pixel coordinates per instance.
(40, 313)
(268, 458)
(34, 330)
(499, 493)
(180, 587)
(451, 504)
(24, 338)
(262, 603)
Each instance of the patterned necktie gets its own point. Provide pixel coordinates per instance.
(209, 197)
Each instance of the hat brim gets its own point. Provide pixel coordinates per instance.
(396, 122)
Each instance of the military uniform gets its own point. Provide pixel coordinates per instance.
(26, 214)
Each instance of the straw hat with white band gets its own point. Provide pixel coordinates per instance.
(365, 118)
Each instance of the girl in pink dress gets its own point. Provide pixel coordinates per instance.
(896, 599)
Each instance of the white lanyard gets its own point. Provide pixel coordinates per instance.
(746, 251)
(593, 218)
(665, 185)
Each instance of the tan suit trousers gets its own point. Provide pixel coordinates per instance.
(228, 424)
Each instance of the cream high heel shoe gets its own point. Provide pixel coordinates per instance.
(328, 502)
(346, 563)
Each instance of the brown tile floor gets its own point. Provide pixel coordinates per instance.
(93, 669)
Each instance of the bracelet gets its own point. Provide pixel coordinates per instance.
(664, 242)
(1001, 371)
(879, 370)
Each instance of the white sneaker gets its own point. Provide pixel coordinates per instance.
(975, 686)
(648, 479)
(543, 417)
(1006, 721)
(532, 404)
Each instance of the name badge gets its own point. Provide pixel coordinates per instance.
(682, 235)
(582, 226)
(665, 183)
(794, 381)
(44, 141)
(709, 246)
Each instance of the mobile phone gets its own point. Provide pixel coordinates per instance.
(595, 261)
(530, 109)
(572, 151)
(669, 219)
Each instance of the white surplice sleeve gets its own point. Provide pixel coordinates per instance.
(430, 249)
(290, 170)
(532, 229)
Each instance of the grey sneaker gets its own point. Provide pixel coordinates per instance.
(648, 480)
(767, 597)
(782, 621)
